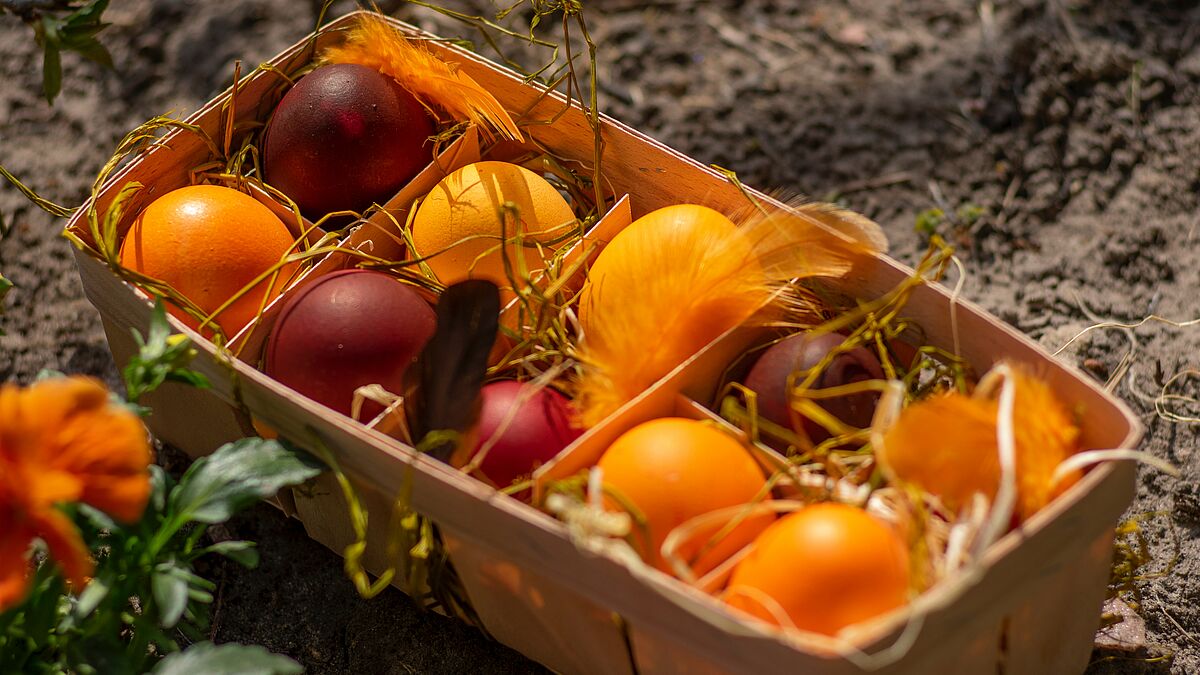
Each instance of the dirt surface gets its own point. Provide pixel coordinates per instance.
(1069, 130)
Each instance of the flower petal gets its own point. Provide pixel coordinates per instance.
(14, 561)
(66, 545)
(103, 446)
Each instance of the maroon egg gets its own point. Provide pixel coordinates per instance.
(346, 330)
(345, 136)
(768, 378)
(535, 430)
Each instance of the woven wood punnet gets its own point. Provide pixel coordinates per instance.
(1032, 606)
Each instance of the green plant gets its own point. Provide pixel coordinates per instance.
(59, 26)
(930, 221)
(144, 600)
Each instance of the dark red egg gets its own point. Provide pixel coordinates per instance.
(768, 378)
(346, 330)
(530, 427)
(345, 136)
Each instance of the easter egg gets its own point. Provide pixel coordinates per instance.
(345, 136)
(459, 224)
(672, 470)
(826, 566)
(768, 378)
(522, 428)
(346, 330)
(208, 242)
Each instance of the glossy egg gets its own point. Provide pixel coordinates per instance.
(345, 136)
(825, 567)
(768, 378)
(522, 428)
(208, 242)
(461, 225)
(345, 330)
(674, 469)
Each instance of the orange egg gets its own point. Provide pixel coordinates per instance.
(826, 566)
(675, 469)
(208, 242)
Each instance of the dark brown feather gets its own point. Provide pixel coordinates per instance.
(442, 391)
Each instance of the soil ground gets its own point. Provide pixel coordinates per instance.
(1068, 129)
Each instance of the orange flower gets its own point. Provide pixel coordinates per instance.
(62, 441)
(947, 445)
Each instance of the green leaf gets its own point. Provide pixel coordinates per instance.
(929, 220)
(170, 590)
(235, 476)
(91, 49)
(97, 518)
(91, 597)
(89, 14)
(160, 486)
(152, 633)
(42, 606)
(158, 331)
(161, 357)
(226, 659)
(243, 553)
(51, 71)
(969, 214)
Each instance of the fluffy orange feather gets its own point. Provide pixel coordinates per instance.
(681, 276)
(375, 44)
(947, 445)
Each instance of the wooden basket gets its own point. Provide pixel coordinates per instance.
(1033, 606)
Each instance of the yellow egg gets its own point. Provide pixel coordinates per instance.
(460, 223)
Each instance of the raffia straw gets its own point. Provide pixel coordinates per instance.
(1006, 494)
(771, 605)
(393, 407)
(1160, 403)
(1081, 460)
(1127, 328)
(737, 514)
(955, 295)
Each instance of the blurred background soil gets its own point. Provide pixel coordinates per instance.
(1063, 136)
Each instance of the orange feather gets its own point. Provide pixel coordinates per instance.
(375, 44)
(947, 445)
(681, 276)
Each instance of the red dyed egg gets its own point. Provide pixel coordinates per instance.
(345, 136)
(530, 427)
(768, 378)
(346, 330)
